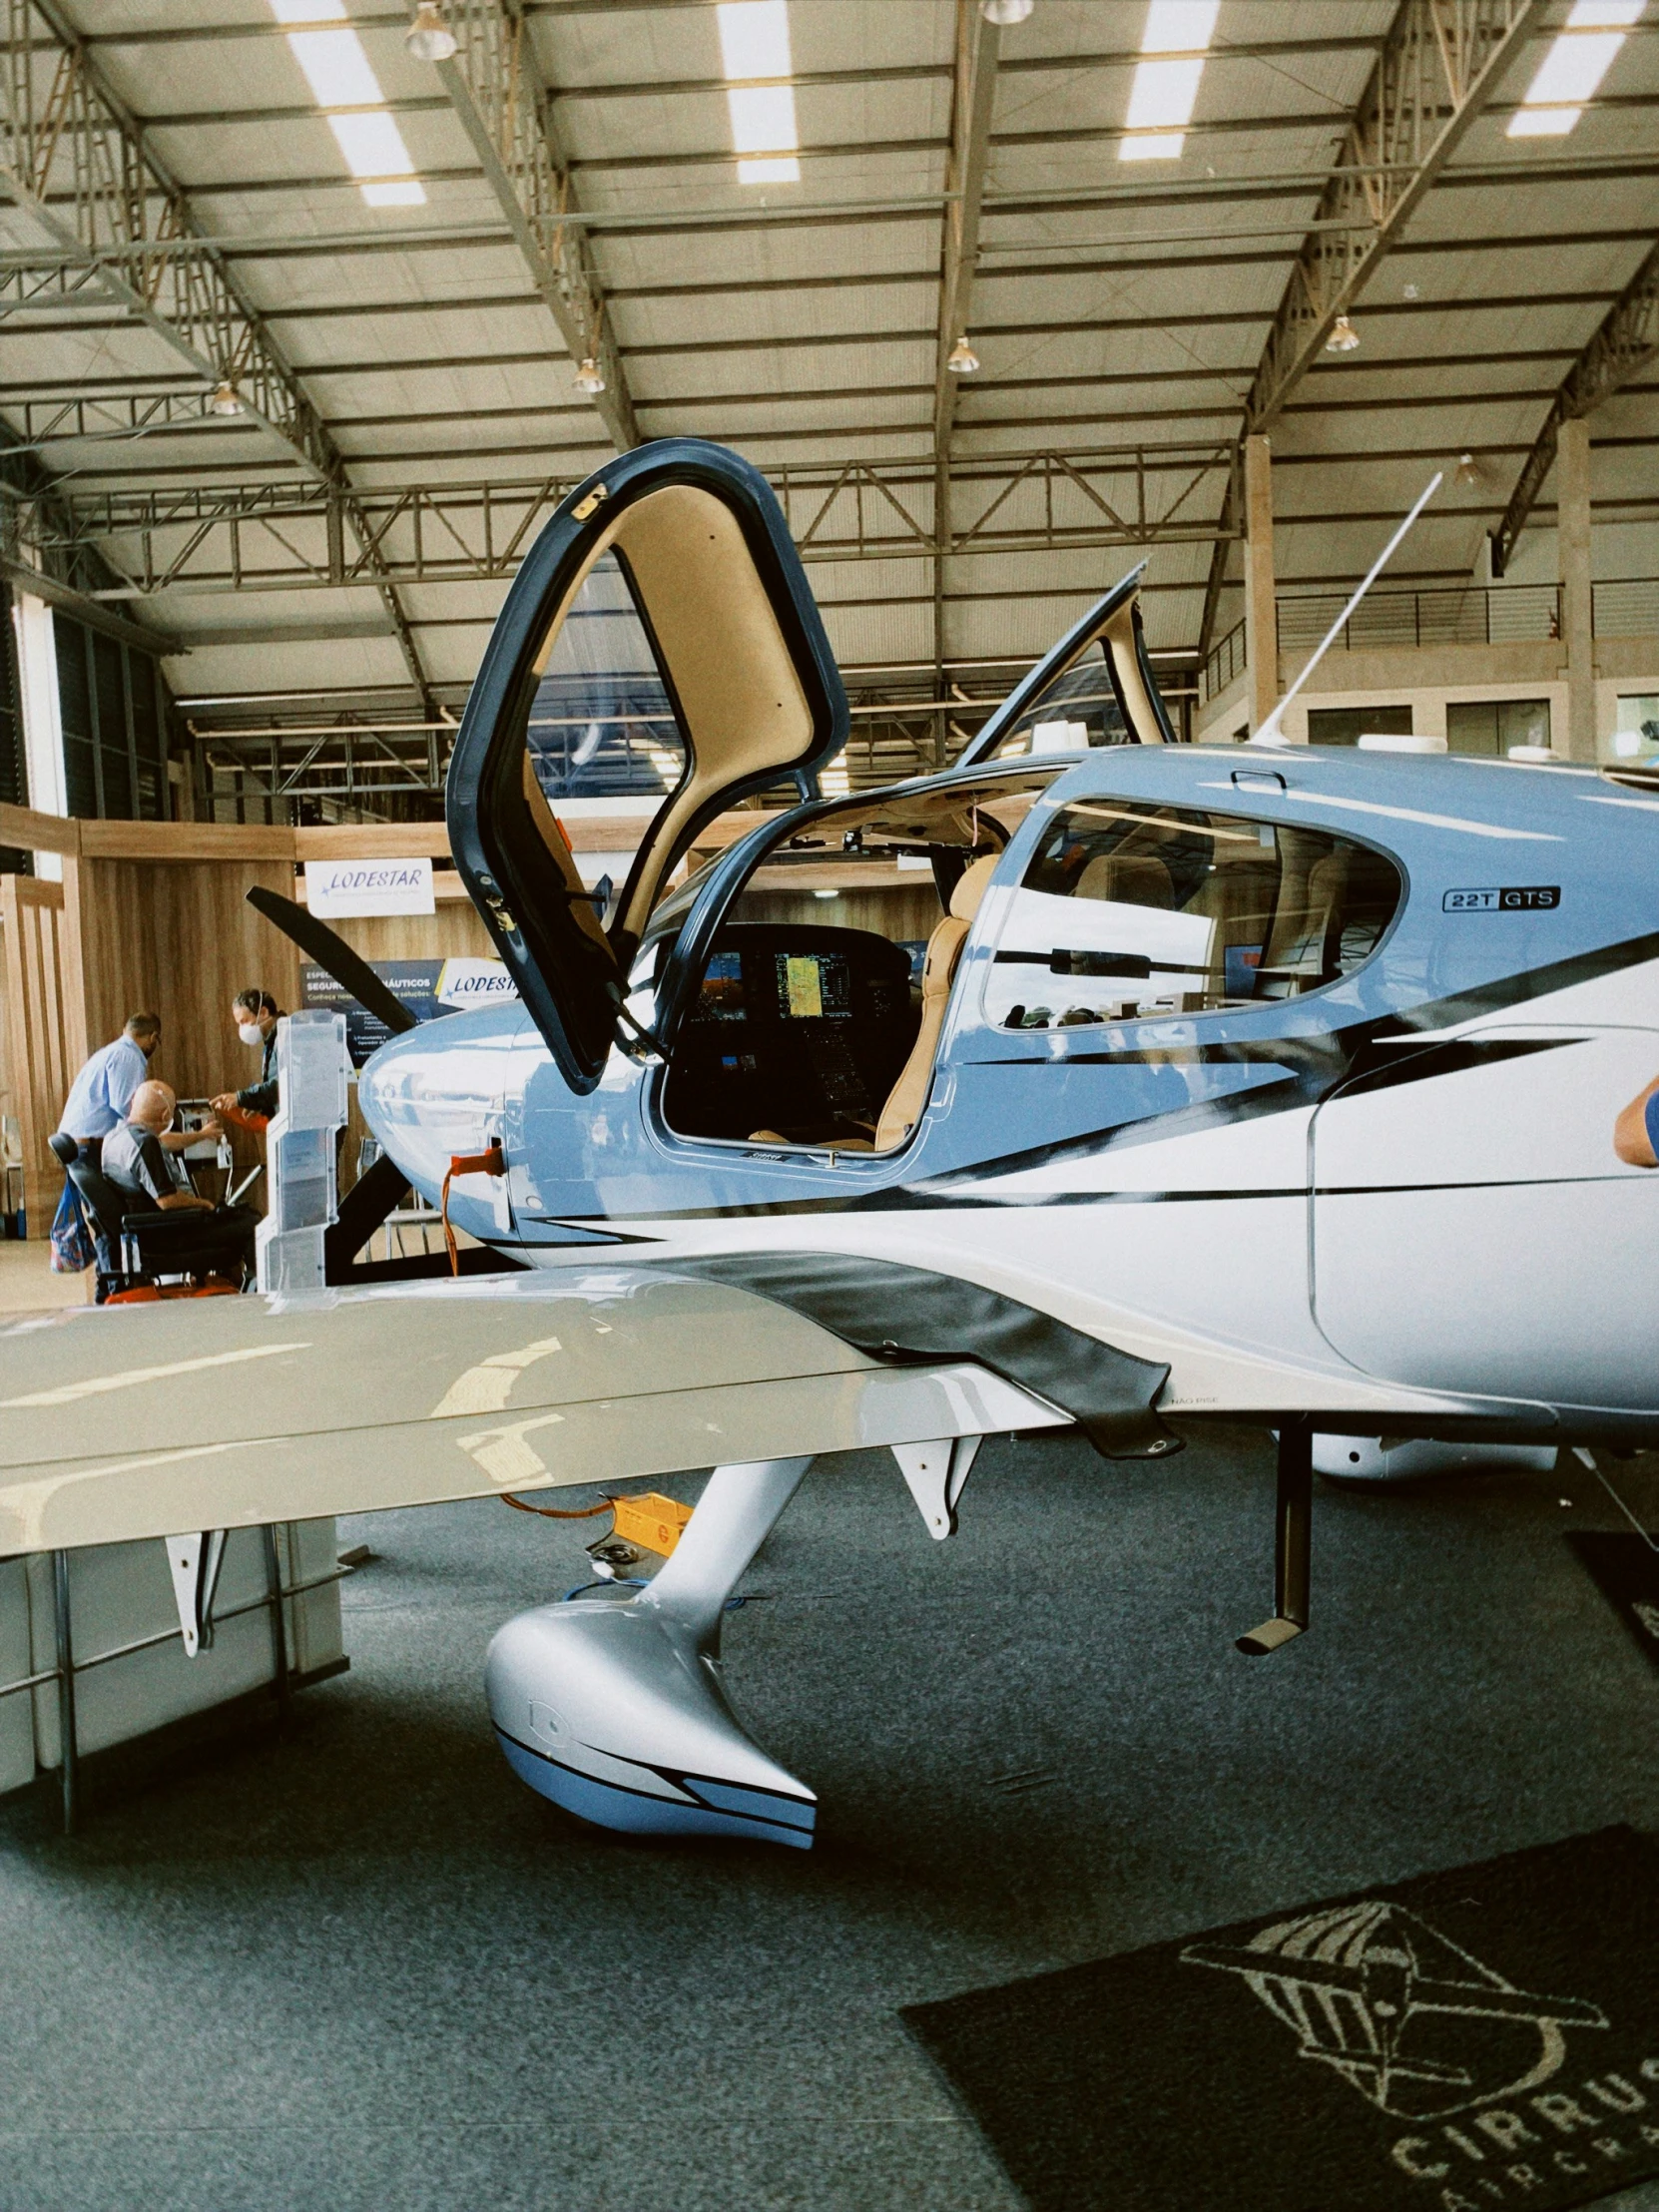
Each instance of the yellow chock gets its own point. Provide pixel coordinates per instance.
(652, 1522)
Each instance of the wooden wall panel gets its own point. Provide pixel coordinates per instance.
(455, 931)
(111, 966)
(210, 944)
(901, 914)
(38, 1068)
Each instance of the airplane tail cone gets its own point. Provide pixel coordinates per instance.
(609, 1709)
(614, 1709)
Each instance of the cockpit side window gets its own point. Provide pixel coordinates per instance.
(1127, 910)
(822, 987)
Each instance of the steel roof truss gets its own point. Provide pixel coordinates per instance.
(1625, 340)
(495, 86)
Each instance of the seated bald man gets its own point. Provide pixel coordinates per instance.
(142, 1168)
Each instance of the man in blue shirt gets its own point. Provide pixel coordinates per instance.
(1636, 1132)
(103, 1091)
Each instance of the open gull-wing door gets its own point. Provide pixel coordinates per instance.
(660, 632)
(1094, 688)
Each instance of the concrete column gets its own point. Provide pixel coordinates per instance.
(1260, 614)
(1573, 537)
(37, 682)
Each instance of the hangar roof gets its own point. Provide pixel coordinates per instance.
(184, 214)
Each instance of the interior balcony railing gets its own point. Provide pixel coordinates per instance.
(1456, 614)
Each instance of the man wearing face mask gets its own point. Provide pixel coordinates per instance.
(256, 1016)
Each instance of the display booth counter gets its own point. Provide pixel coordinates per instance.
(92, 1651)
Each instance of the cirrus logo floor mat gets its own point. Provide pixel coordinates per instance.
(1487, 2037)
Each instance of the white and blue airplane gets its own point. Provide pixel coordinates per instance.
(1099, 1080)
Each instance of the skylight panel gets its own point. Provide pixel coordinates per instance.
(755, 42)
(1165, 87)
(347, 93)
(1579, 57)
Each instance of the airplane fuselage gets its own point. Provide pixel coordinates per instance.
(1393, 1195)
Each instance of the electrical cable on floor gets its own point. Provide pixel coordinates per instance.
(557, 1512)
(1588, 1460)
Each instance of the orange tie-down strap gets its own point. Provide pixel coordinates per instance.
(492, 1162)
(240, 1118)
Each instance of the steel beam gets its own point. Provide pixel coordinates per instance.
(973, 97)
(971, 134)
(77, 166)
(496, 88)
(1441, 65)
(265, 536)
(1625, 340)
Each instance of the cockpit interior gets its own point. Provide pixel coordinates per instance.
(823, 1000)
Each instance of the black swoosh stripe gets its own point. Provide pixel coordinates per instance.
(1317, 1066)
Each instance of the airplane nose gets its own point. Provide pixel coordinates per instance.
(437, 1091)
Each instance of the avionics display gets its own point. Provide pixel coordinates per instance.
(722, 996)
(814, 986)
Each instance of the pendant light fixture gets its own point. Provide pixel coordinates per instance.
(962, 359)
(1344, 337)
(1469, 471)
(429, 38)
(227, 401)
(590, 378)
(1005, 11)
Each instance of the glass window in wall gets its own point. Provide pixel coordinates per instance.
(1487, 728)
(1348, 724)
(602, 724)
(1127, 910)
(1636, 730)
(114, 732)
(14, 779)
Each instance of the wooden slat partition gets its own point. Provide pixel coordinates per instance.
(37, 1050)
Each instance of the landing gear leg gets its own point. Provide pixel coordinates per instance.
(1293, 1540)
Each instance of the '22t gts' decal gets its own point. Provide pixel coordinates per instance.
(1515, 899)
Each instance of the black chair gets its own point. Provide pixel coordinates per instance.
(135, 1249)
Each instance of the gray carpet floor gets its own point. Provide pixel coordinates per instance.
(359, 1968)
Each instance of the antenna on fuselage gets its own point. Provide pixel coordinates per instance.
(1269, 733)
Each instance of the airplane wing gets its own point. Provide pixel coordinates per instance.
(201, 1413)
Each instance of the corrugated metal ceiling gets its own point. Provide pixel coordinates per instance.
(1116, 304)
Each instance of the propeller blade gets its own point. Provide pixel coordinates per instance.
(361, 1211)
(350, 969)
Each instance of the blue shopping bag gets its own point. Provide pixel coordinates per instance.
(73, 1250)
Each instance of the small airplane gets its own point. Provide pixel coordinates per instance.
(1099, 1080)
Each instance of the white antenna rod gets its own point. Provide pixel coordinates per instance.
(1269, 734)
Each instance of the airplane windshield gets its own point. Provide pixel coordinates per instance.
(1080, 707)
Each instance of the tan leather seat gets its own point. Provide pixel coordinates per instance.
(1309, 905)
(1127, 879)
(938, 971)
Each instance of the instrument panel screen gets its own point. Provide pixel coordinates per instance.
(814, 986)
(722, 996)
